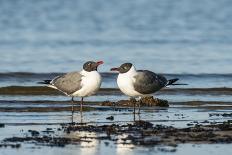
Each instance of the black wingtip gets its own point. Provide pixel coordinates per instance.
(172, 81)
(176, 84)
(44, 82)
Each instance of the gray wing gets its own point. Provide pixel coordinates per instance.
(147, 82)
(68, 83)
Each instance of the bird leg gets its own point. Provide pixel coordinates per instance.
(81, 103)
(139, 106)
(72, 100)
(133, 100)
(134, 107)
(82, 98)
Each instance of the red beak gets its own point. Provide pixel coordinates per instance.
(99, 62)
(114, 69)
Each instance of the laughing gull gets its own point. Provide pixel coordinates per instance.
(138, 83)
(81, 84)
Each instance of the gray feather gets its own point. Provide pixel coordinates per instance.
(147, 82)
(68, 83)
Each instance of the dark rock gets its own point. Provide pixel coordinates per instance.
(137, 133)
(2, 125)
(108, 103)
(110, 118)
(167, 150)
(143, 124)
(150, 101)
(219, 114)
(34, 132)
(11, 145)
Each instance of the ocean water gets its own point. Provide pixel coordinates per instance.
(185, 39)
(165, 36)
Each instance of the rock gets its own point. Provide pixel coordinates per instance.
(147, 101)
(2, 125)
(143, 124)
(150, 101)
(107, 103)
(34, 132)
(110, 118)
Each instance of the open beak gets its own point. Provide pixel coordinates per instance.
(114, 69)
(99, 63)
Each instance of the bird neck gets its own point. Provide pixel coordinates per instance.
(86, 73)
(131, 72)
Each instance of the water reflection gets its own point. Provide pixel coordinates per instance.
(88, 145)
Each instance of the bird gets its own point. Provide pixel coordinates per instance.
(78, 83)
(139, 83)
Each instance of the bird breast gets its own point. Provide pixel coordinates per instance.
(125, 84)
(90, 83)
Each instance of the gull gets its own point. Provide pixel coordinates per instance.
(78, 84)
(140, 83)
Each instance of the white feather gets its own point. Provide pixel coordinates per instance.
(125, 82)
(90, 82)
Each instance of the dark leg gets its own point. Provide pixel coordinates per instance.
(133, 100)
(81, 103)
(134, 115)
(139, 106)
(134, 107)
(72, 100)
(81, 108)
(139, 117)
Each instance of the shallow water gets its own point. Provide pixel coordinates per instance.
(130, 150)
(109, 79)
(17, 124)
(189, 104)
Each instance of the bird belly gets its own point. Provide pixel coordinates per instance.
(90, 85)
(125, 84)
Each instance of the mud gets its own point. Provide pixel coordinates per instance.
(45, 109)
(143, 133)
(10, 145)
(43, 90)
(44, 140)
(219, 114)
(88, 105)
(59, 106)
(137, 133)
